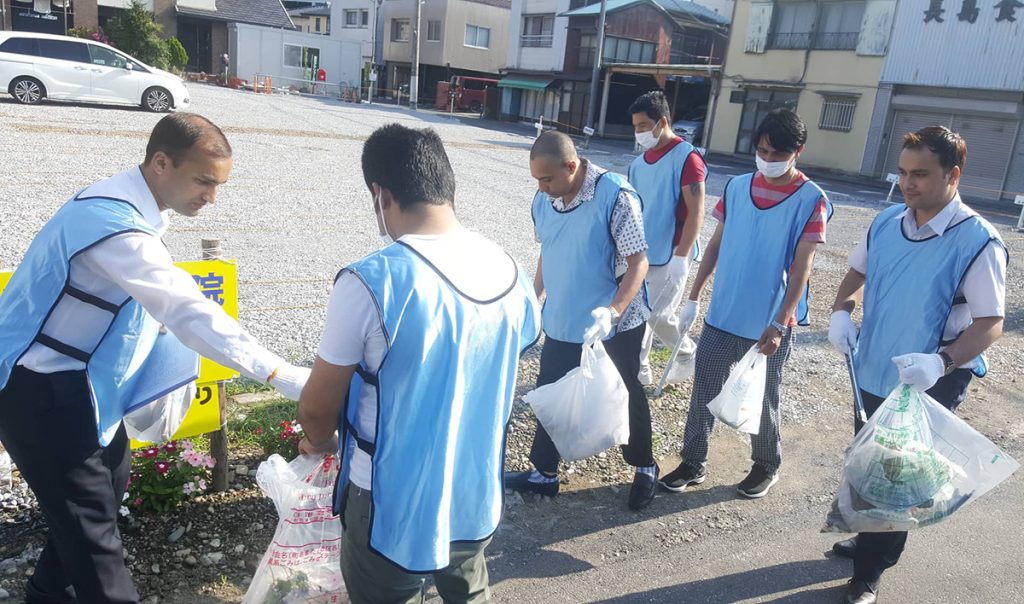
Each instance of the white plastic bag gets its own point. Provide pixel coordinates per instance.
(302, 562)
(685, 364)
(913, 464)
(158, 421)
(587, 411)
(741, 400)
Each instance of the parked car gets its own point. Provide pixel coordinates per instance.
(37, 66)
(691, 126)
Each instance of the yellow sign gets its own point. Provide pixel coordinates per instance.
(218, 280)
(203, 414)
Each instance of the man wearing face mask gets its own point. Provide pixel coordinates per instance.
(592, 265)
(669, 177)
(416, 371)
(769, 224)
(932, 277)
(81, 347)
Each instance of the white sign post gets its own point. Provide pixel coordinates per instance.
(894, 179)
(1020, 221)
(588, 132)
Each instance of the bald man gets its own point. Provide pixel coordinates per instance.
(593, 261)
(81, 348)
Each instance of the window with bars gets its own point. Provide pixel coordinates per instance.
(837, 113)
(820, 26)
(537, 31)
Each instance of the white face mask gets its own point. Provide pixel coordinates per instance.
(385, 237)
(772, 169)
(647, 140)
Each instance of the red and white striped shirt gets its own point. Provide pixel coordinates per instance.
(767, 195)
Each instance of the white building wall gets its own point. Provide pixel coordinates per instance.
(260, 50)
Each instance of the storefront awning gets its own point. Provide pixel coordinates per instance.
(526, 83)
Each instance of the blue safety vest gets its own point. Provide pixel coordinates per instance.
(129, 362)
(578, 258)
(657, 185)
(756, 252)
(444, 398)
(909, 292)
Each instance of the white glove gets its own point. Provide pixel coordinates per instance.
(602, 325)
(290, 380)
(688, 315)
(842, 332)
(920, 371)
(677, 270)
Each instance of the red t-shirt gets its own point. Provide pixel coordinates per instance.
(694, 170)
(767, 195)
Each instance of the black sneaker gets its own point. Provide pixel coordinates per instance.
(520, 481)
(641, 494)
(757, 483)
(683, 476)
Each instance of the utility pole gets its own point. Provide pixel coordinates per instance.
(598, 59)
(373, 50)
(414, 78)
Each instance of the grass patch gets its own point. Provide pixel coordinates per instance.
(245, 420)
(660, 355)
(244, 385)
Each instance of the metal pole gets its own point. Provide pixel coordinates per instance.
(595, 76)
(66, 2)
(414, 78)
(218, 439)
(373, 51)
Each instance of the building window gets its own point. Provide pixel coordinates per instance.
(399, 30)
(837, 113)
(621, 50)
(364, 18)
(351, 18)
(588, 48)
(798, 25)
(300, 56)
(317, 26)
(537, 31)
(433, 31)
(478, 37)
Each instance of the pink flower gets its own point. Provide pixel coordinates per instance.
(210, 462)
(202, 484)
(151, 452)
(162, 467)
(188, 488)
(137, 502)
(186, 445)
(259, 431)
(171, 447)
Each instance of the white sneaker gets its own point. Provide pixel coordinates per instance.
(645, 375)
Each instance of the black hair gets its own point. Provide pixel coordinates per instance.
(553, 143)
(784, 130)
(940, 140)
(410, 163)
(178, 133)
(654, 104)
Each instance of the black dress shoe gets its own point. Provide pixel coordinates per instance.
(641, 494)
(860, 592)
(520, 481)
(846, 548)
(33, 595)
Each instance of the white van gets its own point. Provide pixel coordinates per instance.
(37, 66)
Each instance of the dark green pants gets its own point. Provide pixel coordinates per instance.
(370, 579)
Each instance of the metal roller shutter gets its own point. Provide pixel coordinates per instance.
(989, 149)
(909, 121)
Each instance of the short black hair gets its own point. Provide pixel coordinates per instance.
(940, 140)
(410, 163)
(654, 104)
(552, 143)
(784, 130)
(178, 133)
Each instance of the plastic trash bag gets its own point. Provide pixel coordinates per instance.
(587, 411)
(302, 562)
(741, 400)
(686, 362)
(913, 464)
(158, 421)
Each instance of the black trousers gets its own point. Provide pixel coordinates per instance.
(47, 426)
(877, 552)
(559, 358)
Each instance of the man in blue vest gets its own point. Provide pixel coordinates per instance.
(418, 360)
(770, 223)
(669, 177)
(592, 264)
(932, 277)
(81, 346)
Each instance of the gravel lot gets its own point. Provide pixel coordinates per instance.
(296, 210)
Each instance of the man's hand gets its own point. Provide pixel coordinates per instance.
(920, 371)
(770, 341)
(290, 380)
(328, 447)
(602, 326)
(676, 271)
(688, 316)
(842, 332)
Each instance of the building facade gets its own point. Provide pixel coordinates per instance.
(822, 59)
(974, 86)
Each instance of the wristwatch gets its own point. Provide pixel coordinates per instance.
(616, 317)
(948, 365)
(778, 327)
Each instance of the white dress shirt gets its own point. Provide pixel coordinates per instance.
(984, 285)
(138, 265)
